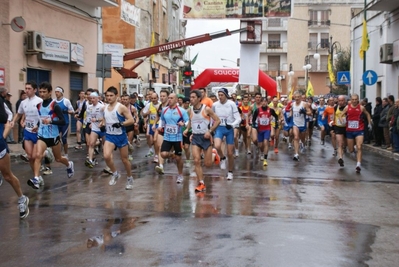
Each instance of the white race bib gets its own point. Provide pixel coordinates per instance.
(112, 130)
(264, 121)
(29, 124)
(171, 129)
(353, 124)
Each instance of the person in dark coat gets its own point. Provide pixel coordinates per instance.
(367, 134)
(378, 131)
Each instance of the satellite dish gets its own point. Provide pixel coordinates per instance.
(18, 24)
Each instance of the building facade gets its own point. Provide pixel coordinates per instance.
(58, 44)
(290, 44)
(382, 57)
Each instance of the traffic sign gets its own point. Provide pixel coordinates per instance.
(369, 77)
(343, 77)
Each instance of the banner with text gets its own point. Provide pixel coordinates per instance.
(130, 13)
(56, 50)
(236, 9)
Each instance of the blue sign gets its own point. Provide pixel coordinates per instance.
(343, 77)
(370, 77)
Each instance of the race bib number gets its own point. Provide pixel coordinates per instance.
(223, 120)
(171, 129)
(264, 121)
(198, 126)
(353, 124)
(113, 130)
(153, 117)
(29, 124)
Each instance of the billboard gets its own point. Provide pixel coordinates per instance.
(236, 9)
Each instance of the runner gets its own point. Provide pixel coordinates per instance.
(5, 165)
(131, 128)
(158, 136)
(28, 109)
(116, 118)
(150, 113)
(299, 110)
(186, 138)
(79, 122)
(329, 113)
(275, 131)
(322, 122)
(355, 127)
(288, 123)
(254, 107)
(262, 118)
(340, 128)
(245, 126)
(172, 120)
(95, 115)
(51, 117)
(200, 118)
(67, 109)
(230, 118)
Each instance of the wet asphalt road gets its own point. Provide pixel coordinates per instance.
(307, 213)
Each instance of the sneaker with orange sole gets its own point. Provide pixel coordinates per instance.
(276, 150)
(217, 157)
(200, 187)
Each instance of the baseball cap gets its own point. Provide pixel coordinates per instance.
(141, 95)
(9, 94)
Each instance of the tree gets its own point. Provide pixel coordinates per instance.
(342, 63)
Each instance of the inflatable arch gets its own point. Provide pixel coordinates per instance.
(231, 75)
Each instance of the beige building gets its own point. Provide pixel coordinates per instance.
(294, 41)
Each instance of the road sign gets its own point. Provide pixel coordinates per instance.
(370, 77)
(103, 65)
(343, 77)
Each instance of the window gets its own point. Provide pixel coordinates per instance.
(301, 81)
(312, 17)
(323, 63)
(319, 17)
(324, 15)
(274, 41)
(312, 41)
(324, 40)
(273, 62)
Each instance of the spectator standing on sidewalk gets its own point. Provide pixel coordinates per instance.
(378, 132)
(394, 124)
(10, 136)
(22, 96)
(391, 102)
(384, 123)
(367, 134)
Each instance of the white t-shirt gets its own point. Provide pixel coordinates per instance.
(29, 108)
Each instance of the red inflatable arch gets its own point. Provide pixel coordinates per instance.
(231, 75)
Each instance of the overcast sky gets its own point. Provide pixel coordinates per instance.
(211, 52)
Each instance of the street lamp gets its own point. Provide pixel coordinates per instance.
(307, 67)
(334, 45)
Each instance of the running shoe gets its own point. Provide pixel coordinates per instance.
(249, 152)
(130, 158)
(223, 164)
(296, 157)
(70, 170)
(42, 168)
(47, 171)
(290, 146)
(302, 147)
(23, 203)
(341, 162)
(358, 169)
(114, 178)
(34, 183)
(179, 179)
(276, 150)
(130, 147)
(265, 162)
(200, 187)
(335, 153)
(229, 176)
(159, 169)
(107, 170)
(155, 160)
(149, 154)
(24, 157)
(78, 147)
(89, 163)
(236, 153)
(322, 142)
(217, 157)
(261, 157)
(129, 183)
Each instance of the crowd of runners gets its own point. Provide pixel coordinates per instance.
(205, 129)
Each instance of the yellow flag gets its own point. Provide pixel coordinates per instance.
(291, 93)
(365, 40)
(330, 69)
(309, 90)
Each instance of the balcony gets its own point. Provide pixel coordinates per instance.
(274, 47)
(324, 45)
(319, 23)
(274, 24)
(383, 5)
(100, 3)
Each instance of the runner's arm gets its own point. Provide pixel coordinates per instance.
(58, 112)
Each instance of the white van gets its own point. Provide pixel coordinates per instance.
(157, 87)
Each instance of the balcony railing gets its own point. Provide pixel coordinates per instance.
(274, 44)
(319, 23)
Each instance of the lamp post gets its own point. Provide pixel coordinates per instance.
(307, 67)
(334, 45)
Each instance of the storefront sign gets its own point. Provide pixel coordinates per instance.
(130, 13)
(77, 54)
(117, 54)
(56, 50)
(235, 9)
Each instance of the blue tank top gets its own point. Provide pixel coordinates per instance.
(1, 130)
(48, 130)
(63, 107)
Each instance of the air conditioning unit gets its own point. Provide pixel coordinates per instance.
(34, 42)
(386, 53)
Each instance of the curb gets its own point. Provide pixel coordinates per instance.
(382, 152)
